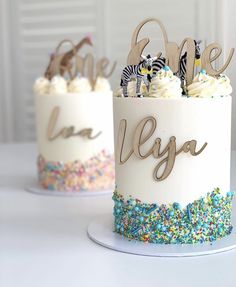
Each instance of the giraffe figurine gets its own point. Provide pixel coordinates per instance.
(65, 63)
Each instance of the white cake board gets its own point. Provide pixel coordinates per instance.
(36, 189)
(101, 232)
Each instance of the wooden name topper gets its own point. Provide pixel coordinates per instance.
(66, 132)
(167, 154)
(173, 52)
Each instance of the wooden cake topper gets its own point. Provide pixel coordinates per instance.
(167, 155)
(61, 63)
(173, 52)
(66, 132)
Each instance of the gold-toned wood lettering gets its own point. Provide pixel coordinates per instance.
(66, 132)
(207, 58)
(167, 155)
(173, 52)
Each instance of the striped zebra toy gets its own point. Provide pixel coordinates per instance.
(157, 65)
(183, 61)
(140, 72)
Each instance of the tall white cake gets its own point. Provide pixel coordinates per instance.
(172, 127)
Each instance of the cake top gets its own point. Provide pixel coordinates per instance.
(185, 70)
(70, 72)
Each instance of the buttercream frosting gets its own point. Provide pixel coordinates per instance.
(165, 85)
(41, 86)
(58, 85)
(206, 86)
(79, 85)
(102, 85)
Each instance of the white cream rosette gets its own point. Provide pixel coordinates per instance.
(206, 86)
(79, 85)
(58, 85)
(41, 86)
(102, 85)
(165, 85)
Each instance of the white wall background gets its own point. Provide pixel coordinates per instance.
(30, 30)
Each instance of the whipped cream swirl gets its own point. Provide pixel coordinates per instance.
(206, 86)
(102, 85)
(58, 85)
(41, 86)
(79, 85)
(165, 85)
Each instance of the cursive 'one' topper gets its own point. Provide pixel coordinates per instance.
(173, 52)
(66, 132)
(63, 63)
(167, 155)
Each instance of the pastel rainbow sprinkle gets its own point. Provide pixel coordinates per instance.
(205, 220)
(98, 173)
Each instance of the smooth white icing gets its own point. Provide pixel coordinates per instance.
(203, 119)
(81, 110)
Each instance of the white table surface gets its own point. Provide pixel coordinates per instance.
(43, 240)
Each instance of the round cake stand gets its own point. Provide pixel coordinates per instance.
(36, 189)
(101, 232)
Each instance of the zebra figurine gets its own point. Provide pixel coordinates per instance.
(157, 65)
(183, 61)
(141, 72)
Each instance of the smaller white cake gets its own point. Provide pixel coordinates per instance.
(75, 136)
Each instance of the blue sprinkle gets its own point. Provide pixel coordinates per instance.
(159, 226)
(189, 212)
(172, 213)
(118, 210)
(203, 71)
(176, 205)
(136, 208)
(163, 228)
(141, 218)
(130, 212)
(166, 68)
(133, 202)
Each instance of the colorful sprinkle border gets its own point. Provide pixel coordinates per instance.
(204, 220)
(98, 173)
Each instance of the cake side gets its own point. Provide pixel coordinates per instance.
(204, 120)
(74, 141)
(80, 111)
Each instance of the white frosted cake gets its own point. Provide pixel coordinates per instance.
(172, 157)
(74, 133)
